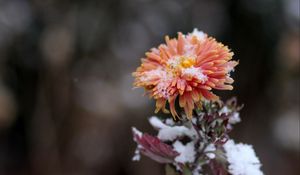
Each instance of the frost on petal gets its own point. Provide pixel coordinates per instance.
(189, 64)
(162, 88)
(186, 152)
(195, 73)
(153, 74)
(199, 34)
(242, 159)
(153, 148)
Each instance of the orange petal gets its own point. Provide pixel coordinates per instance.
(195, 96)
(160, 104)
(153, 56)
(172, 107)
(189, 106)
(180, 43)
(224, 87)
(208, 95)
(170, 45)
(182, 101)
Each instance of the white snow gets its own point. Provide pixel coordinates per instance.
(224, 110)
(210, 148)
(163, 77)
(162, 88)
(170, 122)
(197, 170)
(157, 123)
(199, 34)
(195, 72)
(170, 133)
(187, 152)
(137, 132)
(242, 159)
(234, 118)
(174, 61)
(152, 74)
(137, 155)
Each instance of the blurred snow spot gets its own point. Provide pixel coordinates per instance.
(292, 8)
(98, 96)
(57, 45)
(129, 97)
(286, 129)
(14, 18)
(130, 41)
(7, 108)
(91, 147)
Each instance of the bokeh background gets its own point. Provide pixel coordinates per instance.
(66, 98)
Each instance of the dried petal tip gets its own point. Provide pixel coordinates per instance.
(188, 67)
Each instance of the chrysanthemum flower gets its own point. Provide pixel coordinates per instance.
(188, 67)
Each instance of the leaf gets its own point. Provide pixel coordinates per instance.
(154, 148)
(170, 170)
(187, 171)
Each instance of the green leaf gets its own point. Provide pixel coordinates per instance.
(170, 170)
(187, 171)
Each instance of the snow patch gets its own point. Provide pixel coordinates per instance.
(234, 118)
(187, 152)
(137, 154)
(170, 122)
(170, 133)
(164, 80)
(209, 149)
(199, 34)
(242, 159)
(153, 74)
(157, 123)
(137, 132)
(195, 72)
(224, 110)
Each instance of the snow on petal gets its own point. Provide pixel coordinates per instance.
(192, 63)
(199, 34)
(196, 73)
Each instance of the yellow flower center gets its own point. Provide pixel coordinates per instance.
(187, 62)
(177, 64)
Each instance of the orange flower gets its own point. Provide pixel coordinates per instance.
(188, 67)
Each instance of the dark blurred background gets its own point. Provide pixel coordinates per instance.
(66, 98)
